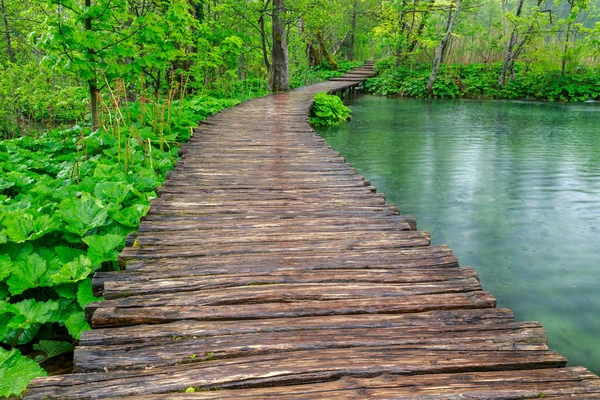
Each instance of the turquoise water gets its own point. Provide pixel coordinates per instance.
(512, 186)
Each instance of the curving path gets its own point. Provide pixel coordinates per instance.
(268, 269)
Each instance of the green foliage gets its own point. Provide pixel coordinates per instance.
(480, 81)
(16, 371)
(51, 349)
(328, 110)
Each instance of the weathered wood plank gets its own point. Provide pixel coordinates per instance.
(182, 350)
(291, 292)
(554, 383)
(104, 316)
(286, 369)
(437, 320)
(184, 280)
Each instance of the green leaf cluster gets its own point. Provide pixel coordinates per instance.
(480, 81)
(328, 110)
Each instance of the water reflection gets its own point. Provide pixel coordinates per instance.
(513, 187)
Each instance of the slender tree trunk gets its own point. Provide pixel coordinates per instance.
(442, 48)
(352, 37)
(323, 50)
(9, 48)
(263, 40)
(509, 58)
(280, 73)
(240, 70)
(566, 48)
(94, 94)
(415, 40)
(92, 83)
(514, 49)
(401, 29)
(504, 17)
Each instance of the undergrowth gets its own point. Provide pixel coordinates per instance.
(480, 81)
(328, 110)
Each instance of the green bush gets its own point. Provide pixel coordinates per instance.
(328, 110)
(480, 81)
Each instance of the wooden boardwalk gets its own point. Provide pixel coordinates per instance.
(268, 269)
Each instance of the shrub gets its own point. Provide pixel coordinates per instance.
(328, 110)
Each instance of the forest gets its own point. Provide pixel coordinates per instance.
(96, 97)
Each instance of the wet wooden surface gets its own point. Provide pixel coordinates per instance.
(269, 269)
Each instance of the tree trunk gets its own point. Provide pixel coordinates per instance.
(504, 17)
(514, 49)
(263, 40)
(323, 49)
(401, 29)
(424, 18)
(442, 48)
(352, 38)
(9, 48)
(280, 74)
(566, 48)
(92, 83)
(509, 59)
(94, 94)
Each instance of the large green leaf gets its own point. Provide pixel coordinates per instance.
(42, 225)
(5, 266)
(30, 312)
(16, 371)
(130, 216)
(28, 274)
(102, 248)
(73, 271)
(112, 192)
(19, 227)
(77, 324)
(85, 295)
(52, 348)
(82, 215)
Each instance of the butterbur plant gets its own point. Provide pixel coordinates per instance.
(328, 110)
(68, 199)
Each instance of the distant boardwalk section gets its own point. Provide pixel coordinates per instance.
(268, 269)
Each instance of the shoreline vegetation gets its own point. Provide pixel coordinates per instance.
(480, 81)
(96, 97)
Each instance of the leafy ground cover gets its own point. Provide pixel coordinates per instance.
(480, 81)
(328, 110)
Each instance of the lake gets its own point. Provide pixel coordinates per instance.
(512, 186)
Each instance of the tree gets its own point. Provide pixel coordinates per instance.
(280, 74)
(575, 6)
(441, 49)
(9, 47)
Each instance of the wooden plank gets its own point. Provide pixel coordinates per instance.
(325, 259)
(504, 385)
(295, 291)
(104, 316)
(447, 319)
(117, 284)
(285, 369)
(189, 349)
(198, 249)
